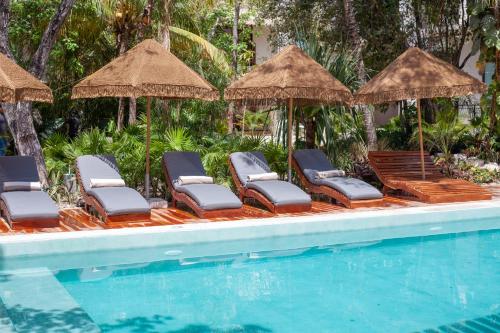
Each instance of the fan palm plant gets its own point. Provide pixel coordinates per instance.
(336, 128)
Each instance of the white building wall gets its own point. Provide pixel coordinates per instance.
(263, 50)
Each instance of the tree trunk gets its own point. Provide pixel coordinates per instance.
(310, 128)
(122, 38)
(357, 45)
(230, 118)
(418, 22)
(41, 57)
(234, 60)
(236, 37)
(493, 111)
(4, 26)
(19, 117)
(165, 31)
(132, 115)
(27, 142)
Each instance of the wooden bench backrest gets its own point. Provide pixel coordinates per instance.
(402, 165)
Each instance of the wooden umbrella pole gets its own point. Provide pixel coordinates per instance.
(290, 126)
(421, 139)
(148, 144)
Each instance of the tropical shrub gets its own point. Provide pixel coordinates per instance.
(128, 146)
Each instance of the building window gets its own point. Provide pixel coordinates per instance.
(489, 72)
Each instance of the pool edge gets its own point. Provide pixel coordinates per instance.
(129, 238)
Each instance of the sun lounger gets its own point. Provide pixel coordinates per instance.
(22, 201)
(103, 189)
(401, 171)
(200, 194)
(351, 192)
(276, 195)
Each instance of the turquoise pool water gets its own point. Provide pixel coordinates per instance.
(447, 283)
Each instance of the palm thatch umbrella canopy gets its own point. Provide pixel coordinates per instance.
(17, 85)
(289, 76)
(147, 70)
(416, 74)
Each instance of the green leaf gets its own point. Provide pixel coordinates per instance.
(217, 56)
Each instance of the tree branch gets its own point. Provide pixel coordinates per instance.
(467, 57)
(41, 57)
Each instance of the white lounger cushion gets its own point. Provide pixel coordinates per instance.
(324, 174)
(263, 176)
(109, 182)
(188, 180)
(22, 186)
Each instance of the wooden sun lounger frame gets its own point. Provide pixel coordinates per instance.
(28, 223)
(401, 170)
(244, 192)
(90, 201)
(332, 193)
(191, 203)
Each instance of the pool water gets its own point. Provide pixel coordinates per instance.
(448, 283)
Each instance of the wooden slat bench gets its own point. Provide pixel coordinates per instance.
(401, 170)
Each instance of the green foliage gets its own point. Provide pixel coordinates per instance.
(479, 140)
(466, 171)
(339, 129)
(128, 146)
(397, 133)
(445, 134)
(483, 24)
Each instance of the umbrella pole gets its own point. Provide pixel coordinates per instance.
(421, 139)
(148, 144)
(290, 126)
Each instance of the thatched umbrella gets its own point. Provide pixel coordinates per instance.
(17, 85)
(289, 76)
(416, 74)
(147, 70)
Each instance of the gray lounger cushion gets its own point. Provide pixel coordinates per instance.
(354, 189)
(30, 205)
(249, 163)
(183, 163)
(207, 196)
(278, 192)
(115, 200)
(17, 169)
(211, 196)
(24, 204)
(120, 200)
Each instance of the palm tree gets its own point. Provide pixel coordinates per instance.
(357, 45)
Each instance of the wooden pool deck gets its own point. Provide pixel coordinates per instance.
(76, 219)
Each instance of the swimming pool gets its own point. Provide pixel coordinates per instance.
(443, 283)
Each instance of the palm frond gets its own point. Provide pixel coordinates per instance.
(217, 56)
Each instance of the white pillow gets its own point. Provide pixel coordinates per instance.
(101, 182)
(187, 180)
(330, 174)
(22, 186)
(263, 176)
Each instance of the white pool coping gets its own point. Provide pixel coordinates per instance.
(400, 222)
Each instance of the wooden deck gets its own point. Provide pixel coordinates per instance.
(76, 219)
